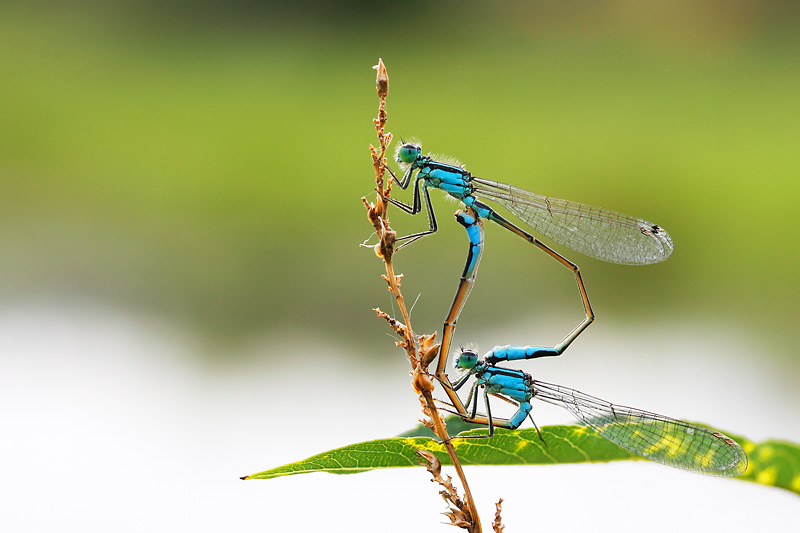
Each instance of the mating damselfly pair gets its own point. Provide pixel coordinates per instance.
(596, 232)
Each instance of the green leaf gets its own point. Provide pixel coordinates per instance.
(773, 463)
(565, 444)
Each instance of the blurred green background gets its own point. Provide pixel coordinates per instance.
(182, 281)
(204, 162)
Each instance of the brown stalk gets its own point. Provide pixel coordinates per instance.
(420, 351)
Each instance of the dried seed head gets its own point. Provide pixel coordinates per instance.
(382, 80)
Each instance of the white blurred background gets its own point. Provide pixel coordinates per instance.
(112, 424)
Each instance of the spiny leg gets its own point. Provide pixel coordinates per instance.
(488, 412)
(403, 184)
(413, 209)
(488, 420)
(474, 417)
(415, 206)
(432, 225)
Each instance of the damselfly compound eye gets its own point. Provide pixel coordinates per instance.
(408, 153)
(466, 359)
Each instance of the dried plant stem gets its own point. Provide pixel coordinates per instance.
(497, 525)
(422, 351)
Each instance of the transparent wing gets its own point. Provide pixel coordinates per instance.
(593, 231)
(656, 437)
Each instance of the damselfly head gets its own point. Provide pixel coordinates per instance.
(408, 153)
(467, 359)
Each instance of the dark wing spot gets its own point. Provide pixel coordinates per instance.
(652, 230)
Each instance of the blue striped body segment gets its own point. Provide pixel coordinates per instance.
(475, 236)
(518, 353)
